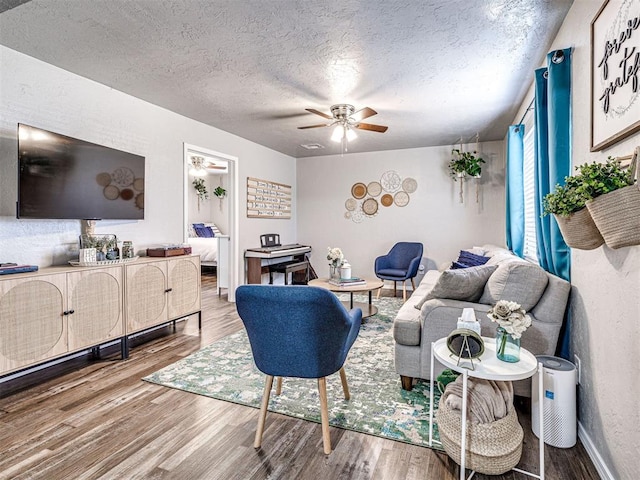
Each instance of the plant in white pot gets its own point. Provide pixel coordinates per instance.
(465, 164)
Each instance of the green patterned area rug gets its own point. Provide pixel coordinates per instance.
(378, 406)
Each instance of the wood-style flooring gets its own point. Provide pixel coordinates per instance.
(90, 418)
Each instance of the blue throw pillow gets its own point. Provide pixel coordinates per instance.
(455, 265)
(203, 231)
(471, 259)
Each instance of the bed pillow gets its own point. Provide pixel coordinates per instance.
(203, 231)
(465, 284)
(214, 228)
(191, 232)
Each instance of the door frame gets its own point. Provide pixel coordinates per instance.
(232, 198)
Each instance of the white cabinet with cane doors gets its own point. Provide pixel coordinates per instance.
(61, 310)
(33, 320)
(95, 307)
(161, 290)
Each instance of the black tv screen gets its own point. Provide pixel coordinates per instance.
(65, 178)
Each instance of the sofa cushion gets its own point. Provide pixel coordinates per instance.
(517, 281)
(462, 284)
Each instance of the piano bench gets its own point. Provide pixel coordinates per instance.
(287, 268)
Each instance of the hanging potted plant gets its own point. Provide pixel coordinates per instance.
(220, 193)
(614, 200)
(201, 190)
(567, 203)
(465, 164)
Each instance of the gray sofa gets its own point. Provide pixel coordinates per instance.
(441, 296)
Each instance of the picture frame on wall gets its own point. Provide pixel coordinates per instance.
(615, 74)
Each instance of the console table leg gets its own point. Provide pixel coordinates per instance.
(124, 347)
(200, 320)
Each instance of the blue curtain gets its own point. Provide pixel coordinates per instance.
(553, 164)
(515, 189)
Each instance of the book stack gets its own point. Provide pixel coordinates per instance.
(8, 268)
(348, 282)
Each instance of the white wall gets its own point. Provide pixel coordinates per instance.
(45, 96)
(605, 299)
(211, 210)
(434, 215)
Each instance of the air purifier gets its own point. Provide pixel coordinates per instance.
(558, 402)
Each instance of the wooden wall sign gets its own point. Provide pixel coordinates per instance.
(615, 65)
(266, 199)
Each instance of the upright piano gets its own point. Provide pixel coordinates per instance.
(255, 256)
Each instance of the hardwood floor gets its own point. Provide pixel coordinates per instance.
(95, 418)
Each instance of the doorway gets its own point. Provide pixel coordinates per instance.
(210, 198)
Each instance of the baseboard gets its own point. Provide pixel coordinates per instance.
(594, 455)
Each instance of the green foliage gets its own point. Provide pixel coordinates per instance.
(201, 188)
(465, 162)
(591, 181)
(220, 192)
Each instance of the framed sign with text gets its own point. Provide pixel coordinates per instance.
(615, 65)
(267, 199)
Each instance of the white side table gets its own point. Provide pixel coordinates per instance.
(488, 368)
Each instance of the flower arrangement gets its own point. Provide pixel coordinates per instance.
(335, 257)
(510, 316)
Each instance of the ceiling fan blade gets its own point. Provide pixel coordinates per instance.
(216, 167)
(317, 112)
(315, 126)
(371, 127)
(366, 112)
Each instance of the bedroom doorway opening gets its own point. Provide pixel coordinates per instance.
(210, 215)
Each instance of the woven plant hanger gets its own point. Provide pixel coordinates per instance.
(579, 230)
(617, 213)
(492, 448)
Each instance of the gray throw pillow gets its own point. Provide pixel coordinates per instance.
(517, 281)
(465, 284)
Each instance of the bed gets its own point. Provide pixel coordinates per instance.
(206, 248)
(204, 242)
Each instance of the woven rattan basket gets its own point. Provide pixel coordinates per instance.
(617, 213)
(492, 448)
(579, 230)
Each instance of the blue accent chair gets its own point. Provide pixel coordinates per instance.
(399, 265)
(297, 331)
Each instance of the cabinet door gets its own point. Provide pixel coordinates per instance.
(95, 298)
(146, 296)
(33, 324)
(184, 285)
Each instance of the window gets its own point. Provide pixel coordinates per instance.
(530, 242)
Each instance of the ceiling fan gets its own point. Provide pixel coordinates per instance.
(200, 166)
(345, 119)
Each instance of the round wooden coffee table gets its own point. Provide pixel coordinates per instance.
(368, 309)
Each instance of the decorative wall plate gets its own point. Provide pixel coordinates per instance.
(374, 189)
(350, 204)
(103, 179)
(122, 176)
(357, 216)
(111, 192)
(390, 181)
(359, 190)
(386, 200)
(370, 206)
(347, 215)
(409, 185)
(401, 198)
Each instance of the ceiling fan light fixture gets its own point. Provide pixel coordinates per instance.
(350, 134)
(197, 167)
(338, 133)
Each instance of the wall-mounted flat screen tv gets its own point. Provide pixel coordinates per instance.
(65, 178)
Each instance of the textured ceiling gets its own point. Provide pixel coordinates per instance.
(434, 70)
